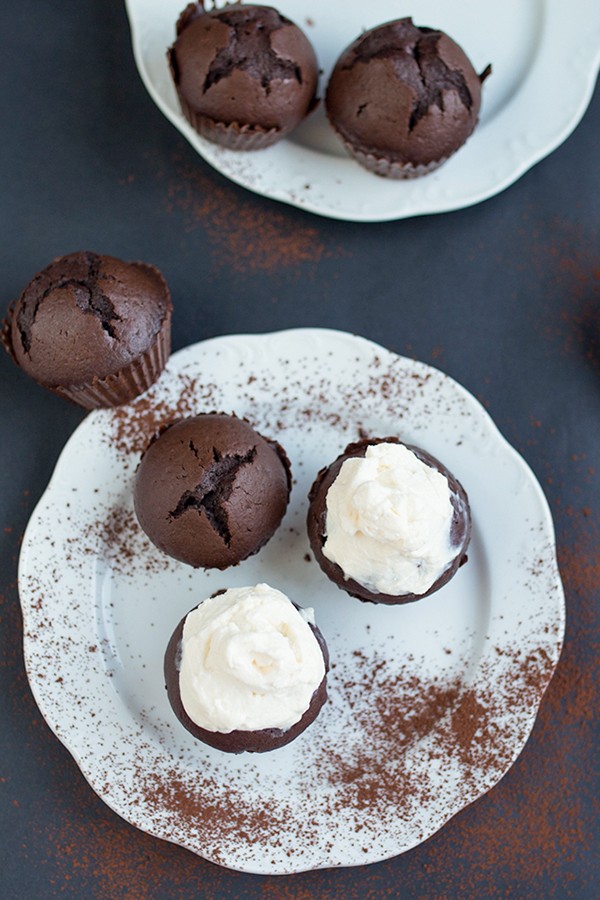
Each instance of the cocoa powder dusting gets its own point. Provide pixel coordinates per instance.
(570, 264)
(218, 815)
(521, 831)
(411, 734)
(117, 538)
(135, 424)
(243, 234)
(403, 726)
(532, 826)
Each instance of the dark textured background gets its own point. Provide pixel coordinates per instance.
(504, 297)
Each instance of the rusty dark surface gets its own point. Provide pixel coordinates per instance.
(504, 297)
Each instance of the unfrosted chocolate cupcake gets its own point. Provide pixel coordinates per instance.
(92, 328)
(245, 75)
(210, 491)
(387, 522)
(246, 670)
(403, 98)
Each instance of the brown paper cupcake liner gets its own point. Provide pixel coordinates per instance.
(130, 381)
(388, 168)
(118, 387)
(233, 135)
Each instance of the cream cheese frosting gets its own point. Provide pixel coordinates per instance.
(249, 660)
(388, 521)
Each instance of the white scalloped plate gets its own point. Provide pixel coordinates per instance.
(430, 703)
(545, 61)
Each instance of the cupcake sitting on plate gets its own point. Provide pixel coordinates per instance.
(246, 670)
(210, 491)
(403, 98)
(245, 75)
(387, 522)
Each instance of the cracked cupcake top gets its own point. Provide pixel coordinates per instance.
(249, 48)
(241, 64)
(86, 316)
(405, 92)
(214, 489)
(210, 490)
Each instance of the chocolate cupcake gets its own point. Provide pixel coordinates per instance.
(92, 328)
(403, 99)
(246, 670)
(245, 75)
(387, 522)
(210, 491)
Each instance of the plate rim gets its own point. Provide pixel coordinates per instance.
(531, 155)
(37, 687)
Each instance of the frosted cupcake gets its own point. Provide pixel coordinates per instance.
(246, 670)
(387, 522)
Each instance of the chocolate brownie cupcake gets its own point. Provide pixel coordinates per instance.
(403, 99)
(245, 75)
(210, 490)
(246, 670)
(387, 522)
(92, 328)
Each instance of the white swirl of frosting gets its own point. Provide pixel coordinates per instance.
(388, 521)
(249, 660)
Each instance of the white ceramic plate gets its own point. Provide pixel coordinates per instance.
(430, 703)
(545, 61)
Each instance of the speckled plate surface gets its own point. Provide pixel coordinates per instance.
(429, 704)
(545, 62)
